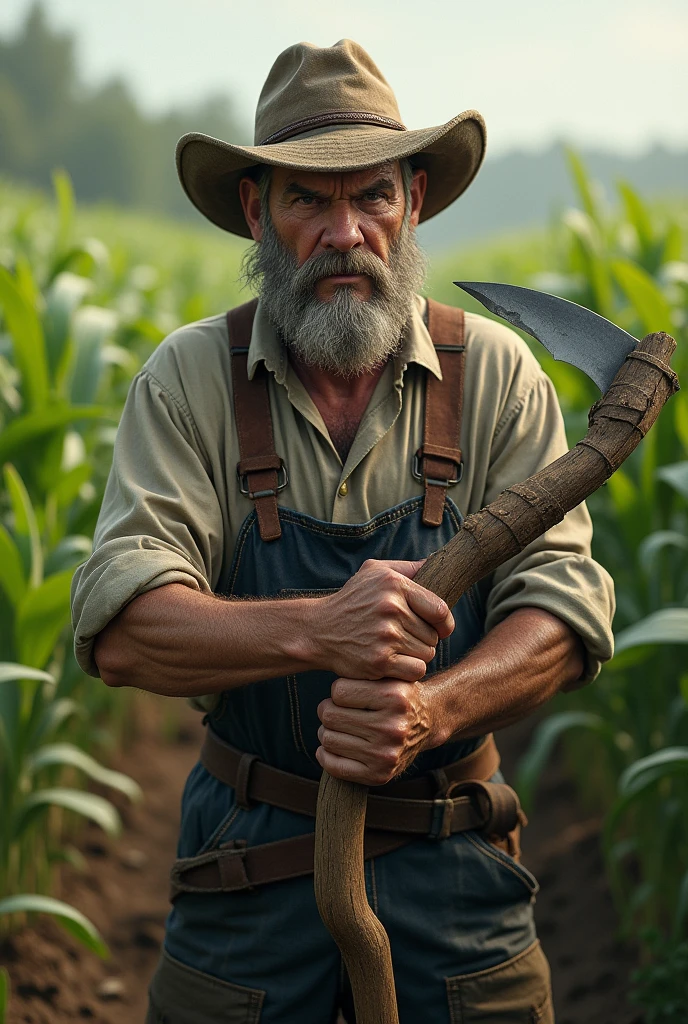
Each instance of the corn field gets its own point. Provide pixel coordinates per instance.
(84, 299)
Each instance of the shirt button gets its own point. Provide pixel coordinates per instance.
(344, 490)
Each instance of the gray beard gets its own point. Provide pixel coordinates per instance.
(345, 336)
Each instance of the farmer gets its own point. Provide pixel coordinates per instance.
(308, 451)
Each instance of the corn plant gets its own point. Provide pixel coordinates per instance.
(630, 729)
(53, 360)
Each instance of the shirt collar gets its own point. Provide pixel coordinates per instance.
(416, 346)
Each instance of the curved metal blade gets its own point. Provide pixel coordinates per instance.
(570, 332)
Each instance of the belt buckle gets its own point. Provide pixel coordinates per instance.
(442, 814)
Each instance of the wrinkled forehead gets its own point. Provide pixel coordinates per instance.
(327, 182)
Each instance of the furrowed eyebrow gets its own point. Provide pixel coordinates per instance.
(379, 185)
(294, 189)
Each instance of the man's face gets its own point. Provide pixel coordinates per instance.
(314, 213)
(336, 261)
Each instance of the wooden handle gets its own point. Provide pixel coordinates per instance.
(341, 897)
(488, 538)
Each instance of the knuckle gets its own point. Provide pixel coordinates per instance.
(388, 604)
(337, 692)
(396, 731)
(327, 737)
(388, 632)
(380, 661)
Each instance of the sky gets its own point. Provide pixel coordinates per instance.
(610, 73)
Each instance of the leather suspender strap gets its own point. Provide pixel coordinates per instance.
(261, 471)
(438, 463)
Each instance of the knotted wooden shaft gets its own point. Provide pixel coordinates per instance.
(618, 422)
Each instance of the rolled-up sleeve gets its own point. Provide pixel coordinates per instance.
(555, 572)
(160, 521)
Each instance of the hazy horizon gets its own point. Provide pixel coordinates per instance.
(607, 75)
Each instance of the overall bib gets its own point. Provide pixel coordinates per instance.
(458, 911)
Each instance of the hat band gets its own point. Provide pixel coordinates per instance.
(307, 124)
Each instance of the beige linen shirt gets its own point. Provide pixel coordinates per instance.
(173, 508)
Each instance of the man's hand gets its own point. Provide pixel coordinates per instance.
(372, 731)
(381, 624)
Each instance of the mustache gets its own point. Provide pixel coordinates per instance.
(328, 264)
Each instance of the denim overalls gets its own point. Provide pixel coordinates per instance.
(451, 907)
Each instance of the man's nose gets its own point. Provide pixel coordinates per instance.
(342, 230)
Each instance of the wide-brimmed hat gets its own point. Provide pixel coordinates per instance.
(328, 109)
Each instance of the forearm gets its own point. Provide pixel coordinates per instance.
(181, 643)
(519, 665)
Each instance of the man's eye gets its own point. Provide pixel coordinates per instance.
(306, 200)
(372, 197)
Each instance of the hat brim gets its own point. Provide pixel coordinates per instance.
(210, 170)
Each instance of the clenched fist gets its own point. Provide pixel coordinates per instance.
(381, 624)
(372, 731)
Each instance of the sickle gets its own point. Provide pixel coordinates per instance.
(637, 381)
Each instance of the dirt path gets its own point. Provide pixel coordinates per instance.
(124, 892)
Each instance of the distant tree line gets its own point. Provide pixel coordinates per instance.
(112, 149)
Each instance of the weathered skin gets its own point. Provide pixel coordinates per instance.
(380, 631)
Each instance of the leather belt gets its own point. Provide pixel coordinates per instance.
(455, 798)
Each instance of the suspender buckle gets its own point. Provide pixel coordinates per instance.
(282, 482)
(418, 474)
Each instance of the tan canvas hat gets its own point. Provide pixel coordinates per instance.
(328, 109)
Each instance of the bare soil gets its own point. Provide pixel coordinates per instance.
(124, 892)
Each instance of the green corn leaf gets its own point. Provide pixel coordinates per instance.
(638, 215)
(645, 296)
(64, 193)
(55, 416)
(67, 754)
(588, 248)
(681, 419)
(55, 713)
(656, 542)
(93, 326)
(69, 553)
(88, 805)
(26, 282)
(71, 919)
(12, 579)
(64, 296)
(533, 762)
(42, 615)
(12, 698)
(70, 483)
(667, 626)
(9, 671)
(583, 184)
(673, 244)
(83, 259)
(28, 342)
(637, 780)
(4, 994)
(669, 761)
(681, 911)
(677, 476)
(683, 687)
(26, 531)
